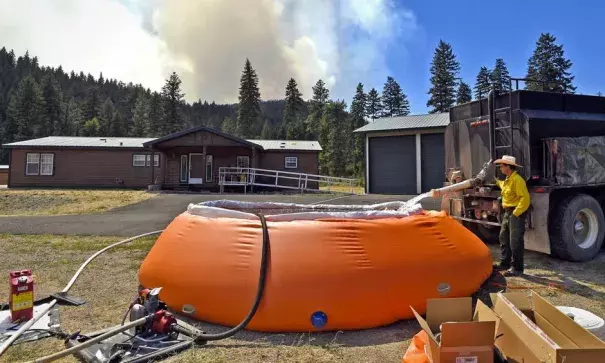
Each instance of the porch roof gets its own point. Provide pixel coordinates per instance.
(176, 135)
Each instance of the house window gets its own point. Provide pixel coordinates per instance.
(291, 162)
(46, 164)
(243, 161)
(184, 170)
(209, 168)
(156, 160)
(39, 164)
(139, 159)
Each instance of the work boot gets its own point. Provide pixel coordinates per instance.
(512, 272)
(501, 267)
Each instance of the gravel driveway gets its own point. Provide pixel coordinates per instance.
(156, 213)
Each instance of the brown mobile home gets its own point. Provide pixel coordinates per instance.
(188, 158)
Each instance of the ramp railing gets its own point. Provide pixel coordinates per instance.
(244, 177)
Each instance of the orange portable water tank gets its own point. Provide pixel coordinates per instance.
(327, 270)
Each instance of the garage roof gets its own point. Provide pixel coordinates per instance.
(288, 145)
(426, 121)
(82, 142)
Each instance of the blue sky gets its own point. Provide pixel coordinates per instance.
(481, 31)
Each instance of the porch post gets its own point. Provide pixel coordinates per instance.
(152, 168)
(204, 151)
(254, 154)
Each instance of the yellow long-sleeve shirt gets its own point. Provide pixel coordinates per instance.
(514, 193)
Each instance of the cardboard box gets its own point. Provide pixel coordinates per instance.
(530, 329)
(463, 339)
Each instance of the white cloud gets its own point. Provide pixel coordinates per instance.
(207, 41)
(84, 35)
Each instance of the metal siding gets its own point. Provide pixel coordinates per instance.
(393, 165)
(433, 161)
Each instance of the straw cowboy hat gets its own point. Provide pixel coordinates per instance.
(508, 160)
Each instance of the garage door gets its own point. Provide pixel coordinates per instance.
(393, 165)
(433, 161)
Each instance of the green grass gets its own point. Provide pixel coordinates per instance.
(110, 282)
(66, 201)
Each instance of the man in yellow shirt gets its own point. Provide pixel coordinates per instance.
(515, 201)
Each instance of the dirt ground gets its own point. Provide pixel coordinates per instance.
(110, 282)
(49, 202)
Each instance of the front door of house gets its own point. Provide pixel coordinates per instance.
(196, 168)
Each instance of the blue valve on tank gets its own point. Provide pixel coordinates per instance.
(319, 319)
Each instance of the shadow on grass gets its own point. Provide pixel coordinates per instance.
(394, 333)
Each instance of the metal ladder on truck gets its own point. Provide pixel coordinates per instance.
(506, 144)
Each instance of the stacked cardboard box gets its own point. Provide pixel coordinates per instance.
(524, 327)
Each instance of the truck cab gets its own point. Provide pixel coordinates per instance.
(559, 139)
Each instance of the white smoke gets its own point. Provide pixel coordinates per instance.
(207, 41)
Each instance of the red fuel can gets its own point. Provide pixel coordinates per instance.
(21, 298)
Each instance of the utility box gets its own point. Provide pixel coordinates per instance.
(455, 335)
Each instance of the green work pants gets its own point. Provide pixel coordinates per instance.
(512, 244)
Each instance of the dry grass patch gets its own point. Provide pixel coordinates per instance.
(356, 189)
(110, 282)
(66, 201)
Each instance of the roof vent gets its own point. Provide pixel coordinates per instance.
(282, 145)
(104, 140)
(121, 143)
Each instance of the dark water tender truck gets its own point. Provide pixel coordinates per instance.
(559, 139)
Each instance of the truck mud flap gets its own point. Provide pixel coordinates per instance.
(536, 236)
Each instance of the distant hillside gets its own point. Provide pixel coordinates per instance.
(72, 99)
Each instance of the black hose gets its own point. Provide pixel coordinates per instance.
(259, 294)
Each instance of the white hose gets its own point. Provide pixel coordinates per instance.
(43, 312)
(88, 343)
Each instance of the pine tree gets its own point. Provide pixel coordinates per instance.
(267, 132)
(52, 123)
(91, 128)
(464, 93)
(93, 103)
(483, 84)
(74, 120)
(172, 97)
(248, 111)
(292, 112)
(374, 105)
(118, 125)
(444, 71)
(336, 150)
(394, 101)
(156, 115)
(106, 117)
(358, 114)
(24, 113)
(229, 126)
(321, 94)
(140, 117)
(500, 77)
(549, 66)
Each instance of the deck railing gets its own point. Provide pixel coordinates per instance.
(244, 177)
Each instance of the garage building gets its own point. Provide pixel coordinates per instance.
(406, 154)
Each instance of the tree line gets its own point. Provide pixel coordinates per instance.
(38, 101)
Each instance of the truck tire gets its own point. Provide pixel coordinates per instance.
(488, 234)
(577, 228)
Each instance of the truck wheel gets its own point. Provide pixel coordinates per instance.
(577, 228)
(489, 235)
